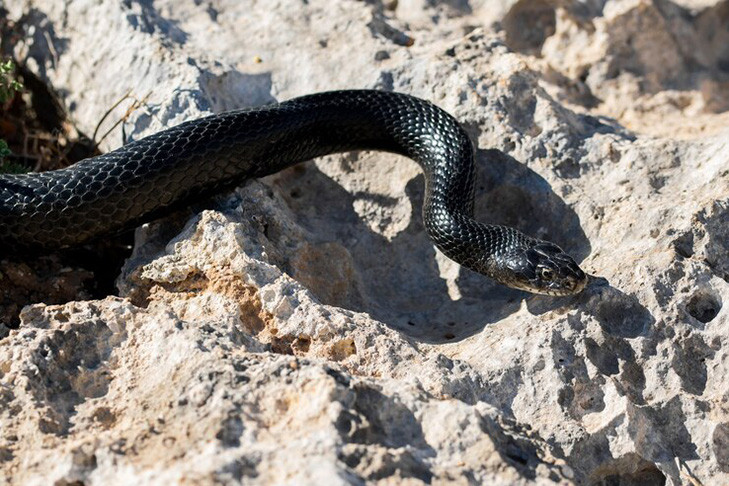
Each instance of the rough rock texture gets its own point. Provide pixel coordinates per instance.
(303, 330)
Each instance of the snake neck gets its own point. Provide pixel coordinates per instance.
(392, 122)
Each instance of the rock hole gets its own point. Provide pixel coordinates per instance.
(449, 335)
(282, 345)
(230, 432)
(704, 305)
(63, 482)
(301, 344)
(630, 470)
(684, 245)
(6, 454)
(567, 168)
(645, 477)
(342, 349)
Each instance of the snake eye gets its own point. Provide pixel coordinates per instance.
(546, 274)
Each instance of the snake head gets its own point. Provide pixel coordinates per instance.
(543, 268)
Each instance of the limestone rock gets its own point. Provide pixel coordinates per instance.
(303, 329)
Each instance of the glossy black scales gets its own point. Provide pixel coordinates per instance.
(123, 188)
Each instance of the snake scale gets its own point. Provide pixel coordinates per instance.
(146, 178)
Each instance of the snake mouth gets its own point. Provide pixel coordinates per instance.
(568, 286)
(564, 287)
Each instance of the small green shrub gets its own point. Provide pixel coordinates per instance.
(8, 85)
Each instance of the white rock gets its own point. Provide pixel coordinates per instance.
(305, 330)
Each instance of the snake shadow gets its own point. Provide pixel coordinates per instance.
(398, 280)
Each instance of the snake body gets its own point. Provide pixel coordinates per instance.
(145, 178)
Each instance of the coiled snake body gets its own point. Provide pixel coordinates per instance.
(142, 179)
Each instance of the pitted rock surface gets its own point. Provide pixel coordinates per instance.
(302, 329)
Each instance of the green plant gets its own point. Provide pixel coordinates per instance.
(8, 87)
(7, 166)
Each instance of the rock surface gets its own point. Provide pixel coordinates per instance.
(305, 331)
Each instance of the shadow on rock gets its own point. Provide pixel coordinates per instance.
(621, 317)
(377, 422)
(661, 436)
(510, 193)
(619, 314)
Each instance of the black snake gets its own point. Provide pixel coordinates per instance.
(146, 178)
